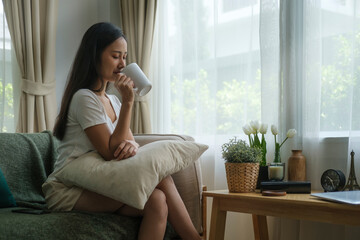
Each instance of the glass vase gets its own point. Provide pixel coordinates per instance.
(277, 158)
(276, 171)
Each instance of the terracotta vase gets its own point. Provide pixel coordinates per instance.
(297, 166)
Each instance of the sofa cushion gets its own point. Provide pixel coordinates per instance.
(132, 180)
(6, 198)
(70, 225)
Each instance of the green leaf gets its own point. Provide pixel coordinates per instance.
(263, 151)
(257, 141)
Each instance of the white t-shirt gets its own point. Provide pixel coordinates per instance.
(85, 110)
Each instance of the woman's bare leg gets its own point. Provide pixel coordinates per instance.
(153, 224)
(155, 213)
(178, 215)
(93, 202)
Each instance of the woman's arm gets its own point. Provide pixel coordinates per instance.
(127, 148)
(99, 136)
(120, 144)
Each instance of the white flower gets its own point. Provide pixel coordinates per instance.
(291, 133)
(274, 130)
(247, 129)
(263, 128)
(255, 125)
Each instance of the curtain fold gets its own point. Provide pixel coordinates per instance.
(269, 32)
(32, 25)
(161, 106)
(138, 20)
(354, 139)
(9, 79)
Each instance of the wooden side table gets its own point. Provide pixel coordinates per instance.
(295, 206)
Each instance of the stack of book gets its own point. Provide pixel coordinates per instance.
(286, 186)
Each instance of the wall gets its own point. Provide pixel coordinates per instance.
(74, 18)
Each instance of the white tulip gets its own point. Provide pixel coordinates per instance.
(255, 125)
(247, 129)
(291, 133)
(263, 128)
(274, 130)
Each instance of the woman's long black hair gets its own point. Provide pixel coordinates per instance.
(85, 69)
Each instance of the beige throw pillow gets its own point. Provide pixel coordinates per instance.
(131, 181)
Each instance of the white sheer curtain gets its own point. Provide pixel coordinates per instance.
(218, 64)
(330, 72)
(9, 89)
(354, 113)
(207, 79)
(319, 47)
(206, 75)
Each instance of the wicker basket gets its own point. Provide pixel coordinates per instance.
(242, 177)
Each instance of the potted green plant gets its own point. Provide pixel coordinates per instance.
(241, 164)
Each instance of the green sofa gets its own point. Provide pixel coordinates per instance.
(26, 159)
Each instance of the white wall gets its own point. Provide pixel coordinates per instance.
(74, 18)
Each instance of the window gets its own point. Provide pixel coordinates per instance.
(220, 77)
(231, 5)
(220, 61)
(7, 121)
(340, 74)
(214, 67)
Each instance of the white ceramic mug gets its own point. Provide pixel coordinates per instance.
(141, 82)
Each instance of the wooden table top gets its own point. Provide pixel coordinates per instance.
(298, 206)
(302, 198)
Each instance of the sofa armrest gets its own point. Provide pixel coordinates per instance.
(188, 181)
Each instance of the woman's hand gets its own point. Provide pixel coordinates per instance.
(126, 149)
(125, 86)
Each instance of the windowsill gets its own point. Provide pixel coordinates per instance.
(335, 136)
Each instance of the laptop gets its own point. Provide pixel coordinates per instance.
(349, 197)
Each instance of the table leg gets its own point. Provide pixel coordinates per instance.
(260, 227)
(218, 220)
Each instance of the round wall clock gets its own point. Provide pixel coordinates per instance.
(333, 180)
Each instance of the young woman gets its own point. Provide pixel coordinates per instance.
(90, 119)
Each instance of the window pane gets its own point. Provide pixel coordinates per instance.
(215, 67)
(340, 61)
(7, 123)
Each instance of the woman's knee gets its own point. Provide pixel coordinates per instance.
(157, 203)
(165, 183)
